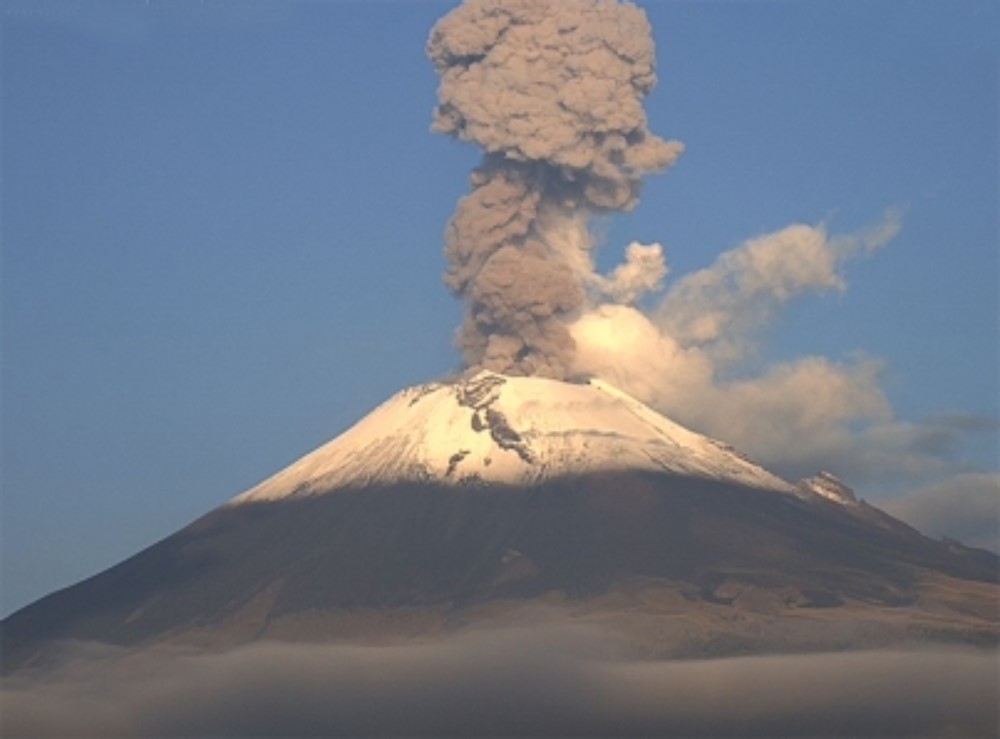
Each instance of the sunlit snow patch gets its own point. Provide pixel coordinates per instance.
(511, 430)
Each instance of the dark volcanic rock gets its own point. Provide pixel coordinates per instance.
(243, 571)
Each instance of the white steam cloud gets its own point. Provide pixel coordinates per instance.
(797, 416)
(721, 307)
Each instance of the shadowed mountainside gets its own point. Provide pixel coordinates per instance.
(418, 559)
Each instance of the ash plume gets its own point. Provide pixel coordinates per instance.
(552, 91)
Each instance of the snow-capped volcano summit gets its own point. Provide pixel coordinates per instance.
(491, 428)
(457, 503)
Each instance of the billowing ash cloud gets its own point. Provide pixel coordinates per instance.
(552, 91)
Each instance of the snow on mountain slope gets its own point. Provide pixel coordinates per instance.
(826, 485)
(514, 430)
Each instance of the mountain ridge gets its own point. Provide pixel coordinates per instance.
(671, 538)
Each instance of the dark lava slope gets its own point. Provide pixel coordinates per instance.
(409, 548)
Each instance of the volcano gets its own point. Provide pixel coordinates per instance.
(485, 499)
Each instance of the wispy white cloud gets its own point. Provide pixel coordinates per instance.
(965, 507)
(689, 358)
(723, 307)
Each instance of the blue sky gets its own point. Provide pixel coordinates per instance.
(222, 231)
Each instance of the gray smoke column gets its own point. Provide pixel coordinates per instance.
(552, 91)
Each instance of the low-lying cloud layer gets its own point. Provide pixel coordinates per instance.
(524, 682)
